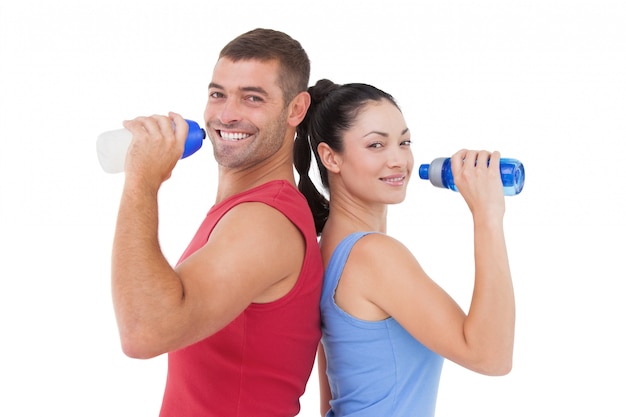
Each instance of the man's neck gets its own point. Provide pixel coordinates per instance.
(231, 182)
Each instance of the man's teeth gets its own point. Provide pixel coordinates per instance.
(233, 136)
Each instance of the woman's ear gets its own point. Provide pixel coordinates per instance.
(299, 106)
(330, 159)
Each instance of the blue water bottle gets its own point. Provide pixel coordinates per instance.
(439, 172)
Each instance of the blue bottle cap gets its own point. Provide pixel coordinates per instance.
(195, 136)
(423, 171)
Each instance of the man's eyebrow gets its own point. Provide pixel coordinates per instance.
(250, 89)
(259, 90)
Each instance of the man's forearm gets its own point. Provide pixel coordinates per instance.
(143, 283)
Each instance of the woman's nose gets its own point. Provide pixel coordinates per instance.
(399, 157)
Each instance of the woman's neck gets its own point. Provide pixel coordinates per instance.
(350, 216)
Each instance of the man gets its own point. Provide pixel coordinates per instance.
(239, 314)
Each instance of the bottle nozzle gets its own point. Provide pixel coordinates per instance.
(423, 171)
(195, 136)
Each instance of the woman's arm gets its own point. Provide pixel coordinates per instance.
(325, 395)
(391, 281)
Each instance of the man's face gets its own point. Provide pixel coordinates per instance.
(245, 116)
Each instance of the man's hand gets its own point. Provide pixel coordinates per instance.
(157, 145)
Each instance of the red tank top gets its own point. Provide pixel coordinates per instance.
(259, 364)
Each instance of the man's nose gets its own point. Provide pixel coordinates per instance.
(230, 111)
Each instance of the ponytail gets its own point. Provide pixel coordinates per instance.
(302, 151)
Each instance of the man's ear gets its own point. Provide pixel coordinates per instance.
(299, 106)
(330, 159)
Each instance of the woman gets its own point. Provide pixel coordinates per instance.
(386, 324)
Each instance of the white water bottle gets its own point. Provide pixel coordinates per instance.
(112, 146)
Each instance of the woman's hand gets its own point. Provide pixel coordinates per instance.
(477, 177)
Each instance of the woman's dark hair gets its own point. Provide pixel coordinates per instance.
(334, 109)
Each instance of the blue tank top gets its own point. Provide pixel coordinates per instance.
(374, 368)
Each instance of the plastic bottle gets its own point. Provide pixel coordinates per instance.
(113, 145)
(439, 172)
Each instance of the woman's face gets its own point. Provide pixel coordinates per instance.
(376, 162)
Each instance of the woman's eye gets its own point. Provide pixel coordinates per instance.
(406, 142)
(375, 145)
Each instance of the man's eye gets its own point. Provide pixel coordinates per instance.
(254, 99)
(216, 94)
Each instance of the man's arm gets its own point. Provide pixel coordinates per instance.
(138, 265)
(254, 254)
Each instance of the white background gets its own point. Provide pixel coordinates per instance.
(542, 81)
